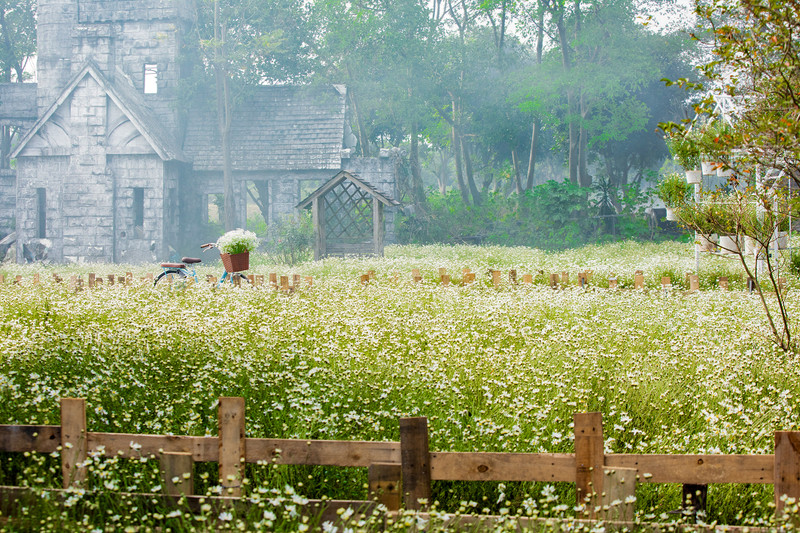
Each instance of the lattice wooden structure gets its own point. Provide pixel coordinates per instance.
(347, 213)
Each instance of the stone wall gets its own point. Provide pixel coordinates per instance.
(8, 201)
(380, 172)
(145, 243)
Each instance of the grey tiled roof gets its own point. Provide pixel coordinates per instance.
(276, 128)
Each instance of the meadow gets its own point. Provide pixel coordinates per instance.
(493, 369)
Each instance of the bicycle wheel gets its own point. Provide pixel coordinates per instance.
(170, 276)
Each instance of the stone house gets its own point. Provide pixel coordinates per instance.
(113, 168)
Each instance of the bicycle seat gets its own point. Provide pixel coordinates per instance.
(173, 265)
(191, 260)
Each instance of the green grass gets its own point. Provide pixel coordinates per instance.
(493, 370)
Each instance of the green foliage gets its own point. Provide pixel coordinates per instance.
(290, 240)
(552, 216)
(673, 190)
(684, 150)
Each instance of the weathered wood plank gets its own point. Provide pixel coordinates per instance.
(29, 438)
(697, 469)
(787, 468)
(384, 484)
(589, 460)
(231, 444)
(322, 452)
(497, 466)
(132, 445)
(73, 441)
(176, 473)
(415, 461)
(619, 494)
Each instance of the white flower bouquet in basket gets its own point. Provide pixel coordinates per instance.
(235, 247)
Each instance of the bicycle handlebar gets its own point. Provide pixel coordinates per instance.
(207, 246)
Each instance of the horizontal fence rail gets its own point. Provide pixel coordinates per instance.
(402, 472)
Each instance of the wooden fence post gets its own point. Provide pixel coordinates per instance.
(787, 468)
(176, 473)
(496, 278)
(384, 484)
(638, 280)
(73, 441)
(694, 283)
(723, 283)
(512, 276)
(589, 460)
(415, 461)
(619, 494)
(231, 444)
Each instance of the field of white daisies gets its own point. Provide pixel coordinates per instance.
(494, 369)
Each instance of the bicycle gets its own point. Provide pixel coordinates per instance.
(186, 269)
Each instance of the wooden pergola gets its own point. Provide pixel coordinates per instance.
(347, 213)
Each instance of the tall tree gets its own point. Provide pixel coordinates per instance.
(245, 43)
(17, 47)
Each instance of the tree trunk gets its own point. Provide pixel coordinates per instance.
(417, 188)
(517, 177)
(456, 144)
(224, 121)
(572, 104)
(532, 157)
(584, 179)
(363, 139)
(473, 188)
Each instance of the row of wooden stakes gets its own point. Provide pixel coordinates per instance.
(76, 283)
(554, 280)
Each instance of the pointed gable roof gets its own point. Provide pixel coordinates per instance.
(339, 178)
(122, 92)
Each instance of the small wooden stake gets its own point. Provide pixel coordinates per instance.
(252, 279)
(527, 279)
(613, 283)
(415, 461)
(92, 280)
(364, 279)
(723, 283)
(496, 278)
(231, 444)
(259, 280)
(73, 441)
(554, 281)
(176, 473)
(273, 280)
(694, 283)
(638, 280)
(565, 278)
(666, 282)
(384, 484)
(446, 280)
(110, 278)
(35, 279)
(589, 460)
(309, 281)
(512, 276)
(285, 283)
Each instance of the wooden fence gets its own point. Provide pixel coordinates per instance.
(401, 473)
(294, 282)
(77, 283)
